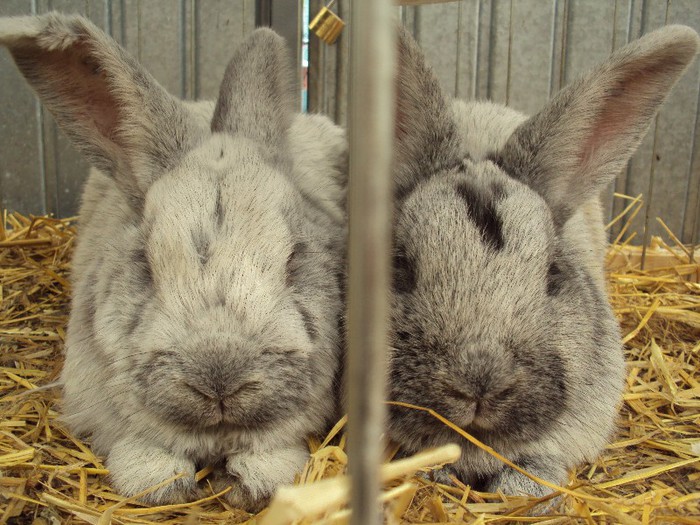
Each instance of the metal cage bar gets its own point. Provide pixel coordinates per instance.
(371, 106)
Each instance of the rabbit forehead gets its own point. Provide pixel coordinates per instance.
(226, 191)
(490, 260)
(217, 231)
(475, 215)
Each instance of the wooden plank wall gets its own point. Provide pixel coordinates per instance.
(185, 44)
(521, 52)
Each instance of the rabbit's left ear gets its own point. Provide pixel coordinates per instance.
(256, 96)
(113, 110)
(426, 139)
(584, 137)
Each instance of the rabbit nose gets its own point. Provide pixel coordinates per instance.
(468, 404)
(204, 392)
(470, 409)
(219, 398)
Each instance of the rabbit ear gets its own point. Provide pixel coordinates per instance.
(584, 137)
(426, 135)
(256, 96)
(112, 109)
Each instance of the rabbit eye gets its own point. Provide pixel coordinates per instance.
(276, 352)
(294, 263)
(143, 266)
(249, 387)
(555, 279)
(405, 277)
(505, 393)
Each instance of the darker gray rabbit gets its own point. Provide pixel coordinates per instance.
(501, 321)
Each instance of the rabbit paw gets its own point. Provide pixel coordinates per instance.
(513, 482)
(443, 476)
(136, 466)
(254, 477)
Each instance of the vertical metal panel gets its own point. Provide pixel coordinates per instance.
(408, 18)
(691, 220)
(676, 126)
(328, 68)
(21, 156)
(220, 28)
(467, 73)
(321, 80)
(317, 86)
(559, 46)
(286, 20)
(188, 57)
(437, 34)
(499, 47)
(667, 150)
(483, 51)
(587, 44)
(152, 35)
(532, 27)
(342, 70)
(682, 118)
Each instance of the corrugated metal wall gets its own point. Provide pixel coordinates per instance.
(518, 52)
(185, 44)
(521, 52)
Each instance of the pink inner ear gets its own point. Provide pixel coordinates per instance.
(81, 89)
(624, 116)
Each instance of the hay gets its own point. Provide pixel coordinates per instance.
(650, 474)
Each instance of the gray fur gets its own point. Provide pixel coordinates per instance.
(190, 341)
(265, 116)
(504, 326)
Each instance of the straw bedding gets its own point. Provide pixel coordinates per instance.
(650, 474)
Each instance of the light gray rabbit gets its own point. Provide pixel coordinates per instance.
(206, 289)
(501, 321)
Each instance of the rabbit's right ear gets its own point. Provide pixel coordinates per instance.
(582, 139)
(113, 110)
(256, 97)
(425, 131)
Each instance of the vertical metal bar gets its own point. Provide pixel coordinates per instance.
(510, 52)
(39, 116)
(194, 56)
(652, 178)
(695, 240)
(341, 64)
(475, 54)
(690, 230)
(122, 23)
(458, 44)
(182, 43)
(285, 19)
(263, 13)
(650, 196)
(139, 32)
(316, 82)
(108, 19)
(371, 106)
